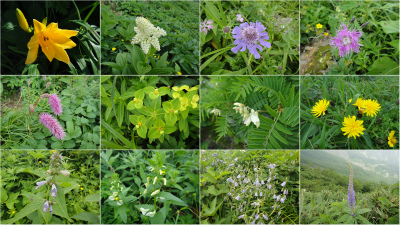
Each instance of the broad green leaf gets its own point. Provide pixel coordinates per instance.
(88, 216)
(28, 209)
(390, 26)
(171, 118)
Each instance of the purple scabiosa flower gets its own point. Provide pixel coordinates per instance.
(346, 40)
(46, 206)
(350, 193)
(265, 217)
(53, 125)
(241, 216)
(51, 209)
(41, 183)
(283, 184)
(53, 191)
(55, 104)
(239, 18)
(250, 36)
(206, 26)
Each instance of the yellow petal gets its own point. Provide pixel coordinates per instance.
(61, 54)
(67, 33)
(39, 27)
(33, 46)
(61, 40)
(48, 50)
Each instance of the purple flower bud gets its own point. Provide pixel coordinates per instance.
(279, 213)
(51, 209)
(41, 183)
(352, 20)
(365, 24)
(241, 216)
(53, 191)
(265, 217)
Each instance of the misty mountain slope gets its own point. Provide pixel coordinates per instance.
(368, 166)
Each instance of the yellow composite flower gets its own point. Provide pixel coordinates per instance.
(371, 107)
(391, 139)
(114, 49)
(320, 107)
(52, 40)
(319, 26)
(352, 127)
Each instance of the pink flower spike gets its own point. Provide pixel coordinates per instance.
(44, 77)
(55, 104)
(53, 125)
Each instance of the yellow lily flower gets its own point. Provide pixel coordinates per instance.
(52, 40)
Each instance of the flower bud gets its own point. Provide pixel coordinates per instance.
(49, 171)
(65, 173)
(22, 21)
(29, 81)
(226, 30)
(352, 20)
(155, 192)
(365, 24)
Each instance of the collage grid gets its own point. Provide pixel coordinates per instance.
(199, 112)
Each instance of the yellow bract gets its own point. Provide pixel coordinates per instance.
(52, 40)
(352, 127)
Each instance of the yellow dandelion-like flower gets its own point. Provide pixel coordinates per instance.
(122, 39)
(114, 49)
(352, 127)
(179, 73)
(391, 139)
(319, 26)
(371, 107)
(320, 107)
(81, 189)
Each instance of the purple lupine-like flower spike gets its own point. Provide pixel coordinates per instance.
(53, 125)
(41, 183)
(53, 191)
(55, 104)
(250, 36)
(46, 206)
(350, 193)
(346, 40)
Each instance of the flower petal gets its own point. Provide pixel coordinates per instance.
(33, 46)
(63, 41)
(61, 54)
(67, 33)
(39, 27)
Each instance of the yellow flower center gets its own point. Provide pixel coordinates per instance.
(160, 128)
(171, 110)
(156, 91)
(116, 199)
(136, 100)
(139, 124)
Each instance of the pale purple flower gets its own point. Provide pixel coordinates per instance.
(250, 36)
(351, 196)
(256, 217)
(269, 180)
(239, 18)
(285, 192)
(206, 26)
(51, 209)
(46, 206)
(241, 216)
(236, 184)
(283, 199)
(265, 217)
(53, 125)
(41, 183)
(274, 197)
(53, 191)
(283, 184)
(269, 186)
(279, 213)
(261, 194)
(256, 195)
(275, 177)
(55, 104)
(238, 177)
(272, 166)
(278, 198)
(262, 182)
(346, 40)
(238, 198)
(253, 222)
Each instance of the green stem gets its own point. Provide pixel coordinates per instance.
(77, 10)
(91, 11)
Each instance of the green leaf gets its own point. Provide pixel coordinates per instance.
(28, 209)
(122, 213)
(87, 216)
(171, 118)
(117, 135)
(174, 200)
(390, 26)
(60, 208)
(169, 129)
(142, 131)
(384, 66)
(93, 198)
(154, 133)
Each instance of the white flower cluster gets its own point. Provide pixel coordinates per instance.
(147, 34)
(114, 196)
(147, 213)
(247, 116)
(216, 112)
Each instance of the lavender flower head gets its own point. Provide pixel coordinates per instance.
(346, 40)
(41, 183)
(46, 206)
(250, 37)
(53, 191)
(206, 26)
(53, 125)
(350, 193)
(55, 104)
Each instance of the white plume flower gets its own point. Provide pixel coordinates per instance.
(147, 34)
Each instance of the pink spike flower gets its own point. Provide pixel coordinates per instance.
(55, 104)
(53, 125)
(346, 40)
